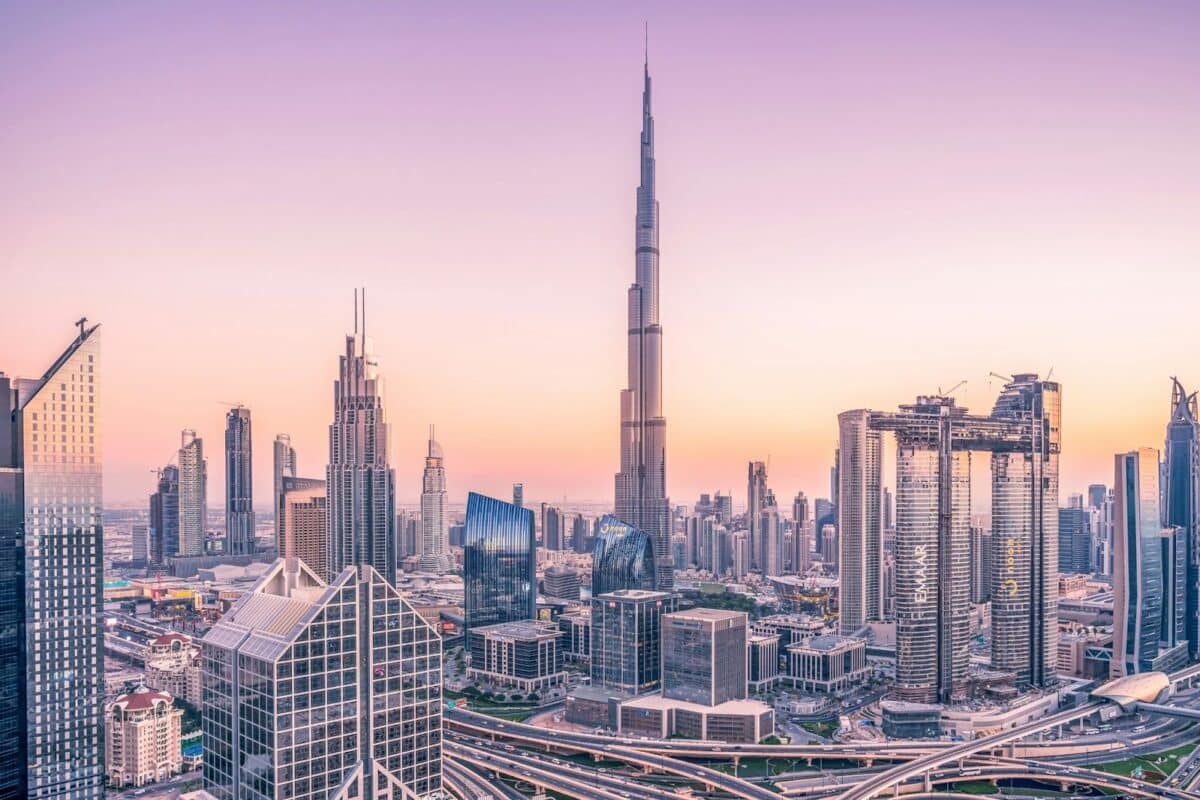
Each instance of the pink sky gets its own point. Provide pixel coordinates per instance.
(860, 202)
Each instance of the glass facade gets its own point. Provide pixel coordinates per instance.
(1137, 563)
(627, 639)
(499, 562)
(51, 571)
(239, 484)
(164, 517)
(704, 656)
(622, 557)
(859, 521)
(311, 690)
(1181, 498)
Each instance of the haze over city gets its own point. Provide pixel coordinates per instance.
(857, 208)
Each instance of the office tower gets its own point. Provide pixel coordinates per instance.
(771, 537)
(1181, 498)
(1137, 563)
(164, 517)
(361, 488)
(306, 524)
(239, 485)
(739, 545)
(623, 557)
(139, 544)
(801, 540)
(51, 578)
(756, 491)
(193, 494)
(561, 582)
(981, 565)
(499, 563)
(1075, 540)
(519, 495)
(435, 520)
(859, 522)
(641, 484)
(284, 466)
(704, 656)
(1173, 552)
(552, 533)
(1097, 493)
(627, 639)
(1025, 528)
(581, 534)
(824, 513)
(829, 545)
(321, 690)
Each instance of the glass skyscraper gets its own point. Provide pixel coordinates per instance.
(626, 648)
(315, 690)
(859, 522)
(164, 517)
(239, 483)
(283, 464)
(622, 557)
(51, 579)
(499, 562)
(1181, 498)
(1137, 563)
(704, 656)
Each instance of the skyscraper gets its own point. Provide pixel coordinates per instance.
(51, 579)
(552, 527)
(627, 639)
(1075, 540)
(306, 524)
(756, 496)
(622, 558)
(435, 520)
(361, 490)
(239, 483)
(164, 517)
(770, 555)
(801, 536)
(704, 657)
(193, 494)
(499, 563)
(641, 484)
(859, 522)
(1137, 563)
(1097, 493)
(1181, 497)
(284, 466)
(519, 495)
(315, 690)
(981, 565)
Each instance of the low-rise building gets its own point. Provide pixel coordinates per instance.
(827, 664)
(141, 738)
(576, 642)
(762, 662)
(524, 654)
(659, 717)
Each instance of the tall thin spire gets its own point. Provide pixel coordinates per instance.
(356, 311)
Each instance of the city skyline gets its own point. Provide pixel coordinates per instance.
(1051, 175)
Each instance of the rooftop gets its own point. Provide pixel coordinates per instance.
(141, 699)
(520, 630)
(709, 615)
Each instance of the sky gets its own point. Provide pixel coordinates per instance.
(861, 202)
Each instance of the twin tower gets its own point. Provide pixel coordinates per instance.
(934, 442)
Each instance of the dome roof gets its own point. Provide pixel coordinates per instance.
(1144, 687)
(141, 699)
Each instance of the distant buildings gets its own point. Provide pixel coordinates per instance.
(305, 529)
(164, 517)
(552, 527)
(757, 494)
(561, 582)
(499, 563)
(361, 491)
(51, 578)
(1075, 540)
(519, 495)
(435, 519)
(239, 483)
(193, 494)
(283, 466)
(345, 671)
(641, 482)
(802, 545)
(141, 739)
(622, 558)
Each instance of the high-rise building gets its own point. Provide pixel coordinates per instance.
(519, 495)
(561, 582)
(499, 563)
(1137, 563)
(824, 513)
(1075, 540)
(622, 558)
(641, 483)
(627, 639)
(306, 524)
(193, 494)
(141, 738)
(435, 518)
(859, 522)
(1173, 553)
(1181, 499)
(771, 539)
(51, 578)
(361, 488)
(802, 534)
(239, 484)
(316, 690)
(139, 545)
(581, 534)
(1097, 493)
(756, 497)
(164, 517)
(552, 527)
(981, 565)
(283, 466)
(704, 656)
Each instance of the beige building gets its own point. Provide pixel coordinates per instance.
(141, 738)
(173, 666)
(305, 519)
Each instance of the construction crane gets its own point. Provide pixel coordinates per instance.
(951, 390)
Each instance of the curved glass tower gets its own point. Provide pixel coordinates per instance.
(499, 562)
(622, 558)
(641, 485)
(1181, 498)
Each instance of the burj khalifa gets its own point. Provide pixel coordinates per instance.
(641, 485)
